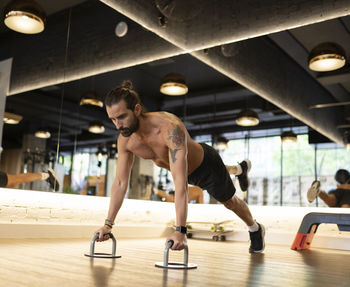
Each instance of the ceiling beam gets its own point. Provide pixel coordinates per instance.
(286, 85)
(231, 127)
(231, 21)
(50, 105)
(251, 63)
(85, 57)
(329, 105)
(212, 108)
(224, 94)
(336, 77)
(225, 21)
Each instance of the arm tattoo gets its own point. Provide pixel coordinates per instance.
(177, 137)
(173, 153)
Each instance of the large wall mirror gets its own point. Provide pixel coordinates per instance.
(60, 77)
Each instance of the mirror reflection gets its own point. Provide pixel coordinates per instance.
(62, 130)
(87, 159)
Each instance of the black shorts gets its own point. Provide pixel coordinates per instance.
(213, 176)
(3, 179)
(342, 196)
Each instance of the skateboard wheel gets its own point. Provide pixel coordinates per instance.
(215, 237)
(189, 235)
(222, 237)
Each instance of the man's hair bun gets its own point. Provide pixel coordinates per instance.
(127, 85)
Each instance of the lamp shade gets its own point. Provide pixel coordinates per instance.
(221, 143)
(25, 16)
(96, 127)
(42, 133)
(288, 136)
(12, 118)
(174, 85)
(92, 99)
(247, 118)
(327, 57)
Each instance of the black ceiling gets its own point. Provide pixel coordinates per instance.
(268, 74)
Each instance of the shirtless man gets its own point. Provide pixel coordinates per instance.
(163, 138)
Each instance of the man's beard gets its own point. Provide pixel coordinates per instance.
(126, 132)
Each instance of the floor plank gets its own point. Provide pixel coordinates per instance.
(47, 262)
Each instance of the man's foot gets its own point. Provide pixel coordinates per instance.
(313, 191)
(257, 241)
(53, 180)
(243, 177)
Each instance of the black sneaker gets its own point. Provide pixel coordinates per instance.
(313, 191)
(53, 180)
(243, 177)
(257, 242)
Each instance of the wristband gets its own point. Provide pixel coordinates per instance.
(182, 229)
(109, 223)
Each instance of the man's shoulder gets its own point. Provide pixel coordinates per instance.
(168, 116)
(165, 121)
(344, 186)
(122, 142)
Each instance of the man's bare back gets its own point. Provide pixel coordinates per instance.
(150, 140)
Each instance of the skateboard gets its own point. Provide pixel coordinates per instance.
(215, 230)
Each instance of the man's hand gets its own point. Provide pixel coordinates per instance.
(180, 240)
(104, 233)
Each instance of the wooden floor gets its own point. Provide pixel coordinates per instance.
(49, 263)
